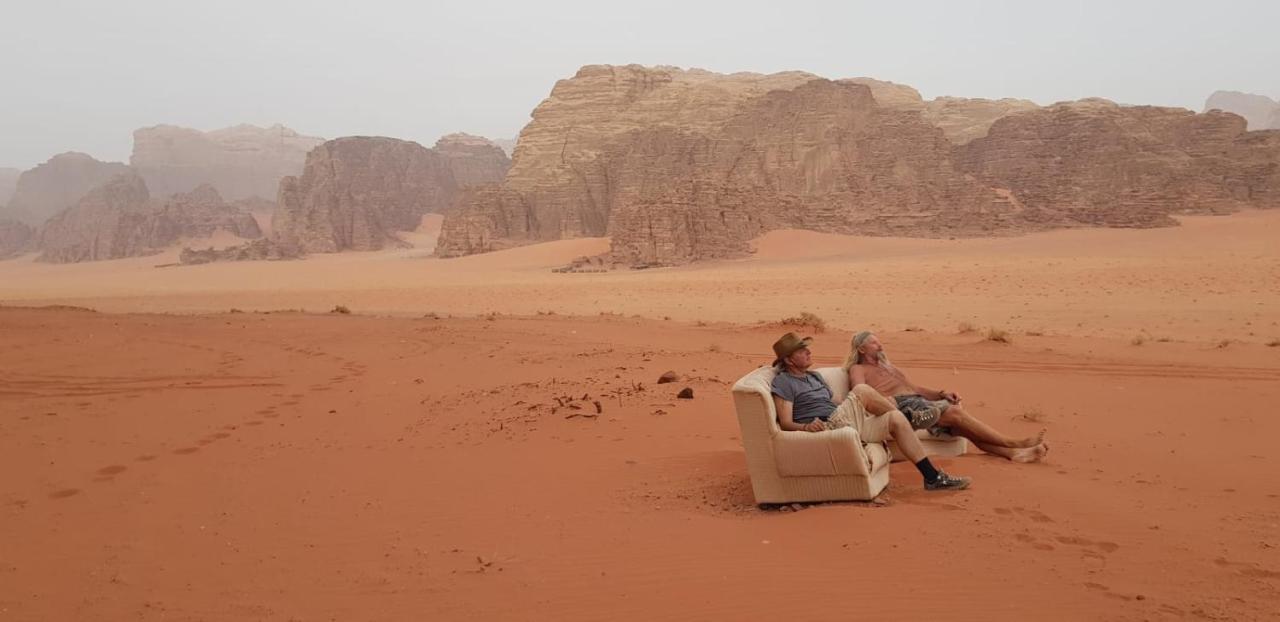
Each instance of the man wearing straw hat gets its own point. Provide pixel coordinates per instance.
(804, 402)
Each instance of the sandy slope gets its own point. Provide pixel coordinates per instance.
(294, 467)
(1212, 279)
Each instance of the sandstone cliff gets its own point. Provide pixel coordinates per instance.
(1093, 162)
(8, 183)
(681, 165)
(240, 162)
(473, 160)
(964, 119)
(356, 192)
(15, 237)
(644, 156)
(120, 219)
(1261, 112)
(57, 184)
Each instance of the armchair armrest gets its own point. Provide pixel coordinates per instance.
(831, 452)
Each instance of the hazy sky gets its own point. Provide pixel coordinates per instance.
(82, 75)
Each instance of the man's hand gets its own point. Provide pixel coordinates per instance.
(814, 426)
(951, 396)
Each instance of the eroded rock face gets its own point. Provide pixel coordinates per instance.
(240, 162)
(15, 237)
(120, 219)
(963, 119)
(683, 165)
(56, 185)
(356, 192)
(1093, 162)
(678, 165)
(1261, 112)
(8, 183)
(473, 160)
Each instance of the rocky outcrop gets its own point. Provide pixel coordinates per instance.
(679, 165)
(1093, 162)
(240, 162)
(801, 152)
(56, 185)
(15, 238)
(473, 160)
(1261, 112)
(8, 183)
(120, 219)
(356, 192)
(265, 249)
(964, 119)
(508, 145)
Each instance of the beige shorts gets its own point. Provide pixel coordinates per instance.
(850, 413)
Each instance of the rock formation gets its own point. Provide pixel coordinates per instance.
(56, 185)
(120, 219)
(682, 165)
(8, 183)
(508, 145)
(1093, 162)
(240, 162)
(473, 160)
(15, 238)
(356, 192)
(964, 119)
(1261, 112)
(265, 249)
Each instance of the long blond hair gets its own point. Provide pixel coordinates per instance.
(855, 357)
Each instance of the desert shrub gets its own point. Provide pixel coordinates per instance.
(965, 328)
(342, 309)
(806, 320)
(998, 335)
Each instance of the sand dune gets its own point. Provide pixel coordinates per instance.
(1210, 280)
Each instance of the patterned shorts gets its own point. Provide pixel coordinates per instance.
(923, 414)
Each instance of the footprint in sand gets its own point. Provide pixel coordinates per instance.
(253, 422)
(1248, 570)
(186, 450)
(145, 458)
(264, 411)
(64, 493)
(114, 469)
(1105, 547)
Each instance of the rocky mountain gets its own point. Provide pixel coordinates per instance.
(8, 183)
(680, 165)
(473, 160)
(1093, 162)
(120, 219)
(57, 184)
(356, 192)
(1261, 112)
(963, 119)
(15, 238)
(240, 162)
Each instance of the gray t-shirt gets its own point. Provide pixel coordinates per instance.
(809, 395)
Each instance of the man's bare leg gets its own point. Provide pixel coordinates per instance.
(1020, 454)
(970, 427)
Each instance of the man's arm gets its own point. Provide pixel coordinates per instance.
(786, 422)
(931, 394)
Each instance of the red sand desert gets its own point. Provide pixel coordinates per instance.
(165, 459)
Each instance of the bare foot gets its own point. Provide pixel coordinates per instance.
(1027, 455)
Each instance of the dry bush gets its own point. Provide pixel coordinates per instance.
(1222, 344)
(998, 335)
(965, 328)
(1163, 340)
(1035, 333)
(806, 320)
(235, 310)
(1138, 340)
(700, 323)
(1273, 343)
(341, 309)
(715, 347)
(431, 315)
(913, 329)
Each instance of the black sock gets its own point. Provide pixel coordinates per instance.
(927, 469)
